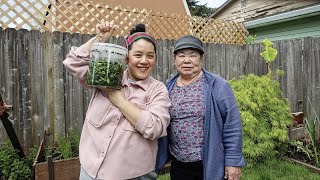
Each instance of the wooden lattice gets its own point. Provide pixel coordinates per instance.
(81, 16)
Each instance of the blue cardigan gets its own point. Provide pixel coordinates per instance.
(222, 144)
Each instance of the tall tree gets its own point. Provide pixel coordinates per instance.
(199, 10)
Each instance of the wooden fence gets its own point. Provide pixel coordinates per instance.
(47, 101)
(81, 16)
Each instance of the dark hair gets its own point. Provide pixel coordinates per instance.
(140, 28)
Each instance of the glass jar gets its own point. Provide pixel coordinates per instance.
(106, 65)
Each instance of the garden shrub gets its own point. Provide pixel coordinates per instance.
(265, 114)
(11, 166)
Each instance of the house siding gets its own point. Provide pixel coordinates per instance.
(164, 6)
(241, 10)
(300, 28)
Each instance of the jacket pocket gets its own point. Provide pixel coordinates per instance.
(98, 110)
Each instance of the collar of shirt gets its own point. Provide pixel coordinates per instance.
(144, 84)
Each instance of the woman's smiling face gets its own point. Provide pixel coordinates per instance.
(141, 59)
(188, 62)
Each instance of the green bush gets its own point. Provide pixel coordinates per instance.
(11, 166)
(265, 116)
(264, 112)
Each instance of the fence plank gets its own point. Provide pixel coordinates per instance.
(58, 90)
(37, 86)
(25, 89)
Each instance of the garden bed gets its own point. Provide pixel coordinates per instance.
(59, 162)
(308, 164)
(59, 169)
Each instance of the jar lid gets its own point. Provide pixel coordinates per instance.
(109, 47)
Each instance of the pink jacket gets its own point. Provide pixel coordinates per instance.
(110, 147)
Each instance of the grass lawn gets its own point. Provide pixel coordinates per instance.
(273, 169)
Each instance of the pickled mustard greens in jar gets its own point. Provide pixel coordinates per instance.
(105, 73)
(106, 65)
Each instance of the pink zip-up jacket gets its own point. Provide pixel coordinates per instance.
(110, 147)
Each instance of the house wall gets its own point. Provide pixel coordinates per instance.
(73, 13)
(170, 6)
(241, 10)
(306, 27)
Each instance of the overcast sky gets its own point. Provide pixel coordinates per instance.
(212, 3)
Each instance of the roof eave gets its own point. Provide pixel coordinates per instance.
(186, 7)
(220, 8)
(283, 17)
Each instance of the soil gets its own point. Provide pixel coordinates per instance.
(301, 156)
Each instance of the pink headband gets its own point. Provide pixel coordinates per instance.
(138, 35)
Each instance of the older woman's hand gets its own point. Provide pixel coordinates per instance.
(232, 173)
(104, 30)
(4, 108)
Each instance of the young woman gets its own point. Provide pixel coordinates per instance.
(120, 132)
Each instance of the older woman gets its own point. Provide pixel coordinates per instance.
(205, 134)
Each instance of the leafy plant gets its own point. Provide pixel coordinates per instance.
(269, 54)
(310, 126)
(74, 137)
(65, 147)
(298, 146)
(11, 166)
(264, 112)
(251, 39)
(265, 116)
(105, 73)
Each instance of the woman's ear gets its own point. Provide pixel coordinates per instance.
(126, 61)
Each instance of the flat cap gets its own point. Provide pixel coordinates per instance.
(188, 42)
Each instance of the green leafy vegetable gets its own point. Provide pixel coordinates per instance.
(105, 73)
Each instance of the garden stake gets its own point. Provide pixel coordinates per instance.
(11, 133)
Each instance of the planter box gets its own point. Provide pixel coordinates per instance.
(296, 133)
(68, 169)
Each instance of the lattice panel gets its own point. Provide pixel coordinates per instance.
(166, 26)
(81, 16)
(218, 31)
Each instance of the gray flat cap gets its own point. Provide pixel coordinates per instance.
(188, 42)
